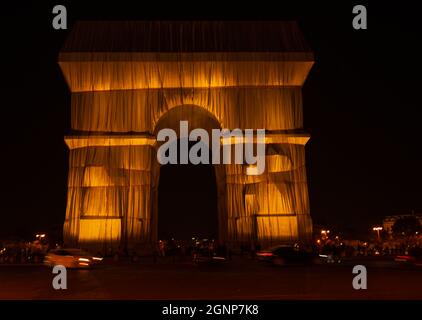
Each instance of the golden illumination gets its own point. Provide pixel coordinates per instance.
(125, 75)
(99, 229)
(277, 228)
(120, 99)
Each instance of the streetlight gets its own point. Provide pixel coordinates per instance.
(40, 236)
(377, 229)
(324, 234)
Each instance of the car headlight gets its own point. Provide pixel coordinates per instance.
(83, 260)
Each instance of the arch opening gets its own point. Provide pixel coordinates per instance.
(187, 199)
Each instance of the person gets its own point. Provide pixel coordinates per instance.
(134, 257)
(253, 250)
(162, 248)
(154, 256)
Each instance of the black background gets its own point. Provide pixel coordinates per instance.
(361, 105)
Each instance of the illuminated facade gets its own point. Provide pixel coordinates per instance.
(130, 79)
(389, 221)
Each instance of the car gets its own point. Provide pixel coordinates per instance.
(71, 258)
(287, 255)
(203, 258)
(208, 255)
(413, 257)
(329, 258)
(209, 260)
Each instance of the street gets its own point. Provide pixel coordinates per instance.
(238, 279)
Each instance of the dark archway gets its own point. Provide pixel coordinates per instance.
(187, 202)
(187, 194)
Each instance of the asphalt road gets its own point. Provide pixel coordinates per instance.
(238, 279)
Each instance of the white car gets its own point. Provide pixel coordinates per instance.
(70, 258)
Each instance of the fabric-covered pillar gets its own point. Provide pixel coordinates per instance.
(108, 197)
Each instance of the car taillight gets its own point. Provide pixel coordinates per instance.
(264, 254)
(403, 258)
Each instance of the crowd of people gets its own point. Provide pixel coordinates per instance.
(23, 252)
(171, 249)
(189, 249)
(357, 248)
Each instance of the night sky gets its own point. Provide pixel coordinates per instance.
(361, 106)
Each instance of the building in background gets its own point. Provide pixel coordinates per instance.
(389, 221)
